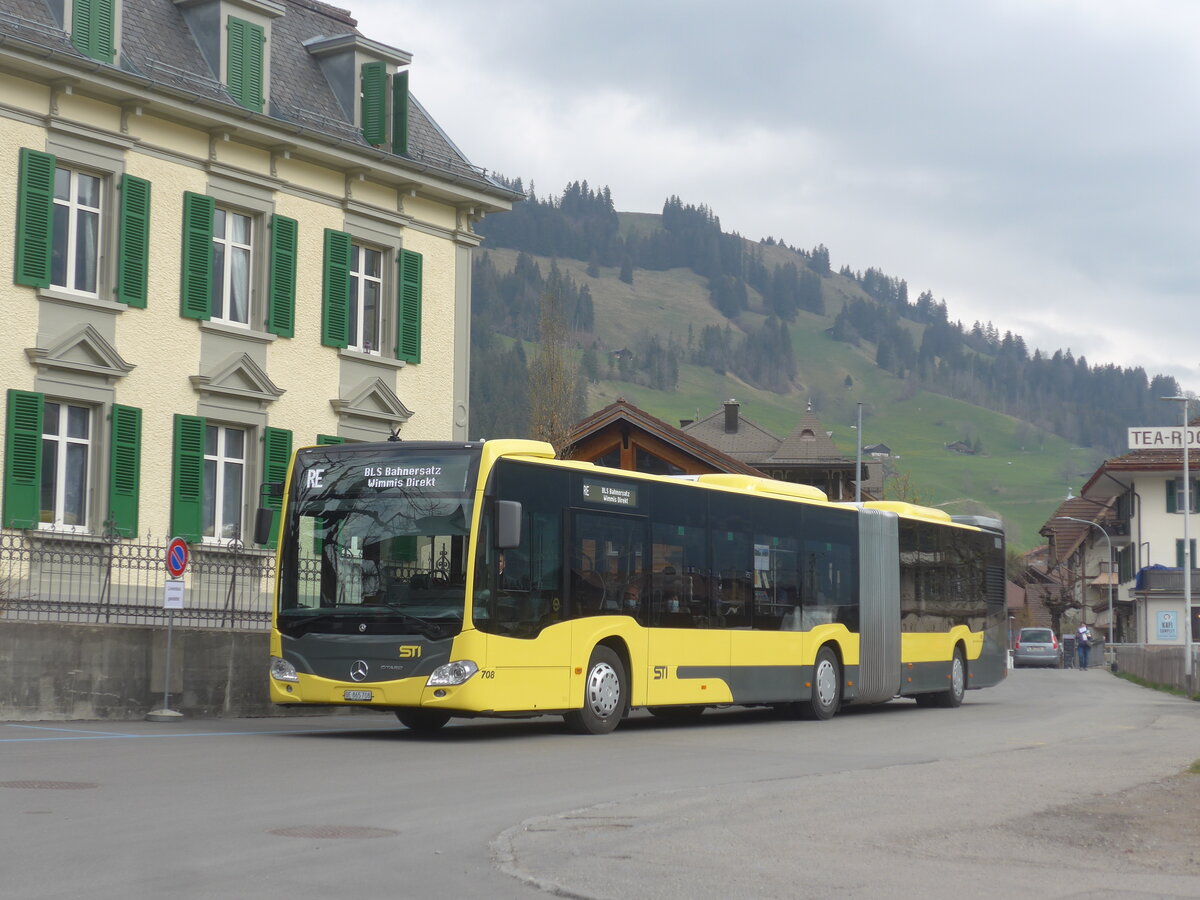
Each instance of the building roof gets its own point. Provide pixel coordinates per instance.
(750, 443)
(1112, 477)
(1068, 534)
(808, 442)
(622, 411)
(159, 55)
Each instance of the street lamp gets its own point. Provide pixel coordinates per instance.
(1112, 623)
(858, 459)
(1187, 549)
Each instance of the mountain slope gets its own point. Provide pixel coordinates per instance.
(1020, 471)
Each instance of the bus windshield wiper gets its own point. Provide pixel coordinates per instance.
(423, 626)
(295, 623)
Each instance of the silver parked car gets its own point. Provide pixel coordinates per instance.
(1037, 647)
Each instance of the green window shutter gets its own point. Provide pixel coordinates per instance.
(277, 454)
(133, 242)
(1179, 552)
(187, 478)
(1172, 486)
(23, 459)
(124, 469)
(374, 79)
(281, 292)
(326, 440)
(400, 113)
(335, 299)
(408, 332)
(35, 218)
(92, 28)
(195, 294)
(244, 63)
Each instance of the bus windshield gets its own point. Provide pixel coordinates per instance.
(376, 534)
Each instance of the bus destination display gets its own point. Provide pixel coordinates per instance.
(609, 493)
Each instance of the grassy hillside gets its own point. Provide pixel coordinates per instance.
(1020, 475)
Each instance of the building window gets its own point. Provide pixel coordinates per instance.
(224, 481)
(346, 290)
(1175, 500)
(231, 249)
(75, 246)
(60, 230)
(66, 454)
(366, 299)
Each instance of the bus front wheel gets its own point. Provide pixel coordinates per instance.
(826, 695)
(423, 720)
(604, 695)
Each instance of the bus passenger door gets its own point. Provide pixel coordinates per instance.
(608, 579)
(689, 644)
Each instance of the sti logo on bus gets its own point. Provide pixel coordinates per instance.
(410, 651)
(660, 673)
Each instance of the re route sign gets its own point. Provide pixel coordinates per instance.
(1161, 438)
(177, 557)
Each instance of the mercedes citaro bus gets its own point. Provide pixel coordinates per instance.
(442, 580)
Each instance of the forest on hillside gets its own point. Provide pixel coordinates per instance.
(914, 340)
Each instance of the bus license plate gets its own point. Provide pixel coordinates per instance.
(357, 695)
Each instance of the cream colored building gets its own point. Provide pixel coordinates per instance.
(1145, 490)
(230, 231)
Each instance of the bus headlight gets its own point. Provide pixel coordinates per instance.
(282, 670)
(452, 673)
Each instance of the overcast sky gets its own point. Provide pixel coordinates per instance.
(1035, 163)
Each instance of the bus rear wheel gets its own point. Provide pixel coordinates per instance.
(826, 696)
(605, 694)
(953, 698)
(422, 720)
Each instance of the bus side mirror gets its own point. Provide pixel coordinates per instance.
(508, 524)
(263, 520)
(264, 517)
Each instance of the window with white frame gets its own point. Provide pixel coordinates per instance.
(224, 481)
(233, 235)
(366, 299)
(75, 246)
(66, 454)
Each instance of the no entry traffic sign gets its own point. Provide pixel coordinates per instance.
(177, 557)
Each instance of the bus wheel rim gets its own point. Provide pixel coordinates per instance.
(958, 677)
(604, 690)
(826, 684)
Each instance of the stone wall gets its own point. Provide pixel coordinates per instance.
(51, 671)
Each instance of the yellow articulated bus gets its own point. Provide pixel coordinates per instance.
(439, 580)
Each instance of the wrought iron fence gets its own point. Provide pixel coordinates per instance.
(55, 577)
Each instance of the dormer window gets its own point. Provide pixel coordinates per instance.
(235, 38)
(370, 84)
(93, 27)
(244, 52)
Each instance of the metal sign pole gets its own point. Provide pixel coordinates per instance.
(1187, 558)
(172, 600)
(167, 673)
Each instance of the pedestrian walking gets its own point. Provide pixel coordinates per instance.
(1083, 645)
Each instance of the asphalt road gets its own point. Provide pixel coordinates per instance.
(890, 801)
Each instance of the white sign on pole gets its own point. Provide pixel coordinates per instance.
(173, 595)
(1157, 438)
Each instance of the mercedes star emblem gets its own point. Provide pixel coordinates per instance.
(358, 670)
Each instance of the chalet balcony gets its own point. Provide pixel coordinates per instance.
(1161, 580)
